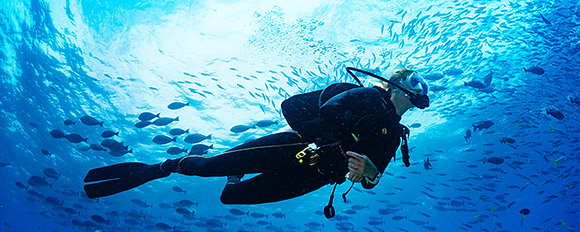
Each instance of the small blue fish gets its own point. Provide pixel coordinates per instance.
(434, 76)
(453, 71)
(265, 123)
(108, 134)
(179, 190)
(177, 105)
(545, 20)
(68, 122)
(163, 139)
(241, 128)
(535, 70)
(427, 164)
(176, 150)
(90, 121)
(238, 212)
(398, 218)
(97, 147)
(494, 160)
(45, 152)
(437, 88)
(178, 131)
(183, 211)
(164, 121)
(199, 149)
(99, 219)
(120, 152)
(196, 138)
(57, 134)
(279, 215)
(75, 138)
(113, 144)
(415, 125)
(482, 125)
(475, 84)
(142, 124)
(51, 173)
(38, 181)
(555, 113)
(507, 140)
(146, 116)
(467, 135)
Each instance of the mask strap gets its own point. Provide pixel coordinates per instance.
(349, 70)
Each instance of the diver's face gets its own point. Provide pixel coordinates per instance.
(401, 97)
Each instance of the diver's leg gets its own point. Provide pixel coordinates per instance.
(268, 187)
(266, 154)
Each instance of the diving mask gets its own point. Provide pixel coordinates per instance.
(418, 92)
(419, 99)
(417, 83)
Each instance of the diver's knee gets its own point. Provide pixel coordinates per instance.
(192, 165)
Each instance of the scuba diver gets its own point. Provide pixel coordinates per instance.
(343, 131)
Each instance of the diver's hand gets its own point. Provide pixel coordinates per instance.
(360, 166)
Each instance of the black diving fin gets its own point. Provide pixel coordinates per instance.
(121, 177)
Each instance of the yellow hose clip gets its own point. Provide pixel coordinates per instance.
(308, 155)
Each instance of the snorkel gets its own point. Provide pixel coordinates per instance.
(421, 100)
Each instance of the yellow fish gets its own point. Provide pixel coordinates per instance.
(555, 161)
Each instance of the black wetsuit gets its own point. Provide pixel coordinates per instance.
(362, 120)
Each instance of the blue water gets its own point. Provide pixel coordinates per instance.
(236, 61)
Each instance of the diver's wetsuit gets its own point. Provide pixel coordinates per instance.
(362, 120)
